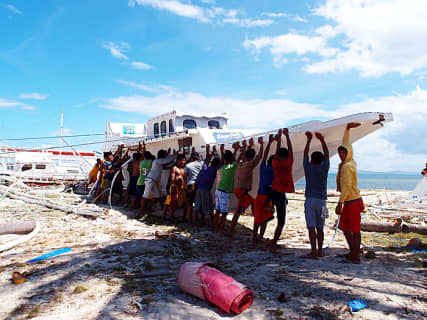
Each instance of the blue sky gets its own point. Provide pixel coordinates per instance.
(267, 63)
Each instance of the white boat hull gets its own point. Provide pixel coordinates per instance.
(332, 130)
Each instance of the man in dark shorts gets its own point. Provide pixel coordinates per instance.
(203, 202)
(191, 171)
(282, 182)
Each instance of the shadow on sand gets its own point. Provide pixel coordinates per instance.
(285, 285)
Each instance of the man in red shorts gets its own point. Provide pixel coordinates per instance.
(350, 204)
(246, 163)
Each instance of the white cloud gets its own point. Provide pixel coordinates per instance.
(297, 18)
(176, 7)
(282, 92)
(409, 129)
(294, 17)
(11, 8)
(400, 146)
(5, 103)
(376, 37)
(249, 23)
(327, 31)
(33, 96)
(117, 49)
(204, 14)
(391, 37)
(245, 113)
(274, 14)
(153, 89)
(140, 65)
(29, 108)
(283, 45)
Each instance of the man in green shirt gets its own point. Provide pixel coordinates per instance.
(144, 169)
(225, 187)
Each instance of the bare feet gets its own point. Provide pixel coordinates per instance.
(310, 256)
(351, 261)
(320, 253)
(274, 247)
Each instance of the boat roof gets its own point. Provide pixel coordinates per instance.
(204, 115)
(175, 113)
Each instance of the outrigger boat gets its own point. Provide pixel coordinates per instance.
(43, 167)
(182, 131)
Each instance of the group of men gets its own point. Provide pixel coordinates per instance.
(191, 184)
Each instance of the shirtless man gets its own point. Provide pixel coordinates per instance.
(177, 173)
(137, 157)
(178, 169)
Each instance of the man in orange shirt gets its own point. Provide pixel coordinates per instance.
(93, 174)
(282, 182)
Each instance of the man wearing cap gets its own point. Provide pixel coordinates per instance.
(191, 171)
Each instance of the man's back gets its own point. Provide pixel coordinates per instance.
(192, 170)
(157, 167)
(316, 179)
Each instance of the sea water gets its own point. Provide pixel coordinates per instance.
(389, 181)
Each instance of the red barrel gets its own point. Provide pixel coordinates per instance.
(207, 283)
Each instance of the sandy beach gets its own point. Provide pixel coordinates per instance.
(101, 277)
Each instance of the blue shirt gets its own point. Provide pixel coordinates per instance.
(316, 179)
(266, 175)
(206, 177)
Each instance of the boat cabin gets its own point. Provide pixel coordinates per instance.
(174, 122)
(117, 133)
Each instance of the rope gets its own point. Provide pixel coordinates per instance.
(139, 139)
(52, 137)
(335, 233)
(99, 195)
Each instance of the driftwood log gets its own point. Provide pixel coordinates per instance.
(401, 226)
(13, 193)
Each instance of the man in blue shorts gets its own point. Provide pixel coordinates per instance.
(316, 178)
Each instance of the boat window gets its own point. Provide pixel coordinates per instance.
(189, 124)
(156, 129)
(27, 166)
(163, 127)
(213, 124)
(171, 128)
(40, 166)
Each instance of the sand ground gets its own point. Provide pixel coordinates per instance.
(92, 282)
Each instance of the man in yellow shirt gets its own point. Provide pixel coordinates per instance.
(350, 204)
(93, 174)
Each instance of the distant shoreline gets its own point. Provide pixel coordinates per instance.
(376, 181)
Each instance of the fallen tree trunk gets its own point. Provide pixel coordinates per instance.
(374, 226)
(43, 201)
(415, 210)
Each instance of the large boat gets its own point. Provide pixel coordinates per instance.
(40, 166)
(183, 131)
